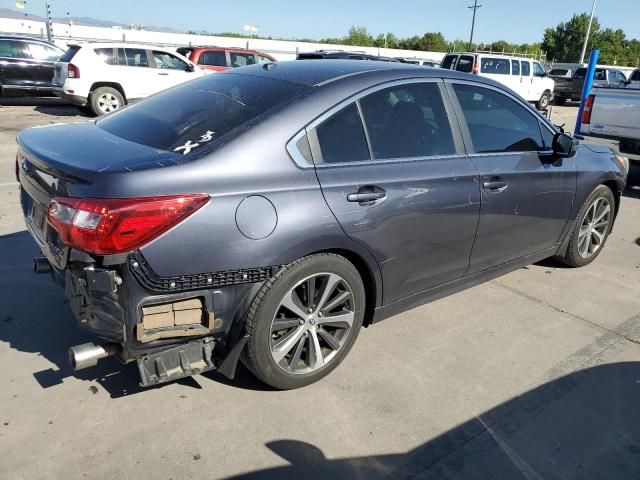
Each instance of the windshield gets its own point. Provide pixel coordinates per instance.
(187, 117)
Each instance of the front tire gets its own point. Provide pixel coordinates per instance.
(304, 321)
(105, 100)
(543, 103)
(591, 230)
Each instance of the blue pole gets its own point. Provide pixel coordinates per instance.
(586, 88)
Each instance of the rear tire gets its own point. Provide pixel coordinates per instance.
(544, 101)
(559, 101)
(304, 321)
(105, 100)
(591, 229)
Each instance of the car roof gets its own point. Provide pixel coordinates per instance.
(321, 72)
(489, 54)
(26, 37)
(120, 45)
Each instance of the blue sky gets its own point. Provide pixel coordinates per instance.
(514, 21)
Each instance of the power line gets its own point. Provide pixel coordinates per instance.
(474, 7)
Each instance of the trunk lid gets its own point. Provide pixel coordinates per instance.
(61, 67)
(54, 162)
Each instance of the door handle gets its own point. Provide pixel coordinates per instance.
(367, 194)
(496, 184)
(163, 73)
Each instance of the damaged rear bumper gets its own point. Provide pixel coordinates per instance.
(169, 335)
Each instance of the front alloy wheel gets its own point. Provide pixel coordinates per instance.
(304, 320)
(591, 229)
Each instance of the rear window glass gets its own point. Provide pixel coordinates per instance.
(465, 64)
(581, 73)
(526, 68)
(636, 76)
(69, 54)
(559, 71)
(189, 116)
(105, 54)
(448, 62)
(341, 137)
(136, 57)
(214, 58)
(495, 66)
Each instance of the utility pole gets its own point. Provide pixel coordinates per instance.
(474, 7)
(49, 23)
(586, 38)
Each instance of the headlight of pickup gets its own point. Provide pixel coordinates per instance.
(623, 161)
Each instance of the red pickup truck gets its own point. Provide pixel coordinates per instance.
(223, 58)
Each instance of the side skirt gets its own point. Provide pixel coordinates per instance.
(426, 296)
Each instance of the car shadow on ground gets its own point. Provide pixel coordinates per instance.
(36, 318)
(47, 105)
(584, 425)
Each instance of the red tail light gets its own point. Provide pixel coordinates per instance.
(586, 111)
(73, 71)
(118, 225)
(476, 68)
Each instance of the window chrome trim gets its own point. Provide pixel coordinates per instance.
(299, 159)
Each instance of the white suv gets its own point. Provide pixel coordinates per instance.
(105, 76)
(526, 77)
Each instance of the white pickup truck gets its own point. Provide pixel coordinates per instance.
(614, 113)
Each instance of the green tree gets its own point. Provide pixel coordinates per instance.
(433, 42)
(359, 36)
(564, 42)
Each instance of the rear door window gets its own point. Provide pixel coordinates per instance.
(636, 76)
(201, 111)
(241, 59)
(407, 121)
(515, 67)
(448, 62)
(526, 68)
(213, 58)
(341, 138)
(136, 57)
(465, 64)
(495, 66)
(496, 122)
(12, 49)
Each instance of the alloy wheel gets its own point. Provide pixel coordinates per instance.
(312, 323)
(108, 102)
(594, 227)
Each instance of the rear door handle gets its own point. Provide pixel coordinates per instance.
(367, 194)
(495, 185)
(163, 73)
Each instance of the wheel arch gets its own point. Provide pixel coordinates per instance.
(615, 189)
(114, 85)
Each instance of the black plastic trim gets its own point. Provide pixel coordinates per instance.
(141, 270)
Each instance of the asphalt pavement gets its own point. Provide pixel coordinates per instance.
(533, 375)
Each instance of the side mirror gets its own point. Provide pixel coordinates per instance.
(563, 145)
(190, 67)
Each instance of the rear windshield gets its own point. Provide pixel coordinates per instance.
(189, 116)
(70, 53)
(448, 61)
(559, 71)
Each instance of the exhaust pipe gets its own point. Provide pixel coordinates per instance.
(88, 354)
(41, 265)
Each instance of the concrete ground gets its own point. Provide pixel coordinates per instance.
(533, 375)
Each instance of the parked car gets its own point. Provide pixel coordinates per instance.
(524, 76)
(419, 61)
(341, 55)
(634, 79)
(614, 113)
(561, 72)
(104, 77)
(26, 65)
(220, 59)
(269, 213)
(571, 88)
